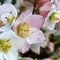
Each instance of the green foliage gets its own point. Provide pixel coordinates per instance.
(1, 1)
(56, 37)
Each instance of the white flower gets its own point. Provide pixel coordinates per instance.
(8, 15)
(51, 20)
(27, 27)
(7, 50)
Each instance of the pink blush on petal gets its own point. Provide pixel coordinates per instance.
(36, 36)
(25, 48)
(45, 8)
(42, 2)
(35, 21)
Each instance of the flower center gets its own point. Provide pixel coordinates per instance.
(10, 18)
(5, 45)
(54, 17)
(23, 30)
(7, 18)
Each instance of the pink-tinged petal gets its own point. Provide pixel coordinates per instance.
(21, 18)
(7, 8)
(36, 36)
(35, 21)
(25, 48)
(42, 2)
(45, 8)
(23, 15)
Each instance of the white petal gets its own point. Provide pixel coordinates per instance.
(16, 41)
(48, 32)
(49, 25)
(7, 8)
(25, 48)
(36, 36)
(1, 56)
(4, 28)
(35, 48)
(44, 44)
(12, 54)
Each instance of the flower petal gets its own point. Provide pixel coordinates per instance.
(48, 25)
(35, 21)
(45, 9)
(12, 54)
(36, 36)
(25, 48)
(4, 28)
(1, 56)
(42, 2)
(16, 41)
(35, 48)
(44, 44)
(57, 2)
(22, 18)
(11, 8)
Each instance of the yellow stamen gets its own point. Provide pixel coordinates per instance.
(23, 30)
(54, 17)
(5, 45)
(47, 37)
(1, 23)
(10, 18)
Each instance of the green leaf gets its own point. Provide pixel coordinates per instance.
(56, 37)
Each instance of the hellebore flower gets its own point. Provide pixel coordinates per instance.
(27, 28)
(7, 50)
(52, 18)
(8, 14)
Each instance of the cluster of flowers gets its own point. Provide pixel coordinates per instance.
(23, 32)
